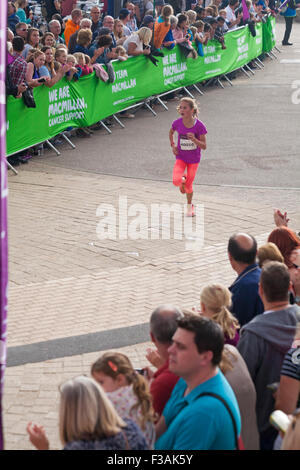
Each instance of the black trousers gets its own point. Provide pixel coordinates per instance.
(288, 28)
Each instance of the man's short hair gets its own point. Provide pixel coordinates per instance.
(18, 44)
(239, 254)
(163, 323)
(275, 281)
(208, 335)
(76, 12)
(20, 25)
(233, 2)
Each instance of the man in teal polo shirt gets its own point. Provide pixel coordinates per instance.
(190, 422)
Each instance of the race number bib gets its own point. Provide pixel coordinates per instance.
(186, 144)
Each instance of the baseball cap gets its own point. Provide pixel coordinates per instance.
(148, 19)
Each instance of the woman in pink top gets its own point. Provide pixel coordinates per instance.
(191, 139)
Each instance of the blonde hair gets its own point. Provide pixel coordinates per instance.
(87, 59)
(166, 12)
(71, 57)
(85, 412)
(120, 34)
(192, 104)
(269, 252)
(194, 30)
(33, 54)
(113, 364)
(217, 299)
(145, 35)
(79, 55)
(192, 15)
(120, 50)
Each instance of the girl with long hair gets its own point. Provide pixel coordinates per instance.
(127, 390)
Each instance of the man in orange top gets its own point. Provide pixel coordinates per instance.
(72, 25)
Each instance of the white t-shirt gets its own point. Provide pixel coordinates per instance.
(230, 16)
(136, 40)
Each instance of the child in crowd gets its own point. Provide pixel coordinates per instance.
(85, 69)
(162, 26)
(127, 390)
(87, 60)
(192, 16)
(121, 51)
(200, 37)
(219, 35)
(75, 71)
(215, 301)
(191, 139)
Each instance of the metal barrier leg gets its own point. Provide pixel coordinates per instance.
(105, 127)
(229, 81)
(250, 69)
(220, 83)
(245, 72)
(11, 167)
(260, 62)
(198, 89)
(150, 109)
(269, 55)
(274, 55)
(68, 140)
(118, 121)
(278, 50)
(257, 64)
(52, 147)
(188, 92)
(162, 103)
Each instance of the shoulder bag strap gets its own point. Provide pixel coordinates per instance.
(230, 413)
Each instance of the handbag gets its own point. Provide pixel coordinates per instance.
(29, 98)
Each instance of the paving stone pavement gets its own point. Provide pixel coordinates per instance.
(65, 282)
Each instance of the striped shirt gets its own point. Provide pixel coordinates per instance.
(291, 364)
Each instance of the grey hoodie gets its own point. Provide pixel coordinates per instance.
(263, 344)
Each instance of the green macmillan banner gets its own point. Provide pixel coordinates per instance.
(82, 103)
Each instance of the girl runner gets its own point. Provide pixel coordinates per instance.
(191, 139)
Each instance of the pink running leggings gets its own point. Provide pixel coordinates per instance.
(178, 172)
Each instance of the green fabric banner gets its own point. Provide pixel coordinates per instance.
(269, 37)
(82, 103)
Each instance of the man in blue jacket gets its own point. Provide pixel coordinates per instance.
(246, 303)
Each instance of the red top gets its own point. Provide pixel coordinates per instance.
(162, 386)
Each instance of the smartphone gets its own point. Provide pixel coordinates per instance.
(140, 371)
(41, 80)
(279, 420)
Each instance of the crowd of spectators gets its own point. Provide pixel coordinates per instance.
(134, 30)
(218, 371)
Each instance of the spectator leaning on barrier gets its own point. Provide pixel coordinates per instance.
(191, 421)
(100, 51)
(49, 68)
(72, 25)
(163, 324)
(85, 23)
(265, 341)
(88, 421)
(84, 39)
(162, 26)
(34, 77)
(134, 45)
(246, 302)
